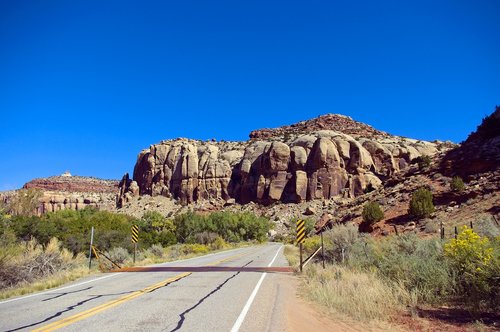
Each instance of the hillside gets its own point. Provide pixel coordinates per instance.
(330, 165)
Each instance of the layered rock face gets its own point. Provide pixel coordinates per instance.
(74, 193)
(295, 163)
(73, 184)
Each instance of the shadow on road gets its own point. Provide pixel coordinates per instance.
(66, 293)
(59, 313)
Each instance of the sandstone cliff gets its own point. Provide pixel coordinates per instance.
(330, 156)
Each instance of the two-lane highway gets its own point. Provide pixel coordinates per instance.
(232, 300)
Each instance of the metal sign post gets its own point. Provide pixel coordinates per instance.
(91, 244)
(301, 236)
(135, 238)
(322, 249)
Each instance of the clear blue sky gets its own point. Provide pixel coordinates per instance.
(85, 85)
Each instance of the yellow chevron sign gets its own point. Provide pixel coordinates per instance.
(135, 233)
(301, 231)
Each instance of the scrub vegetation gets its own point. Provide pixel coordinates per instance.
(378, 279)
(39, 252)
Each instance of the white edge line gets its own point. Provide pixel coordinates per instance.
(108, 276)
(241, 317)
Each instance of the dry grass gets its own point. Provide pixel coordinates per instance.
(29, 267)
(55, 280)
(359, 295)
(350, 294)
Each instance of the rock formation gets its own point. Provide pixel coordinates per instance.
(479, 153)
(322, 158)
(73, 192)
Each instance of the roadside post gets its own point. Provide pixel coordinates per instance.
(301, 236)
(91, 244)
(135, 238)
(322, 250)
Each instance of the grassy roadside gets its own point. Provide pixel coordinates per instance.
(348, 295)
(418, 283)
(75, 268)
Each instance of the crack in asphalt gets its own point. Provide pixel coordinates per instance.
(182, 316)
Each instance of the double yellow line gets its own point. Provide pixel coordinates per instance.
(95, 310)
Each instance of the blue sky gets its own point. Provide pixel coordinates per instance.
(85, 85)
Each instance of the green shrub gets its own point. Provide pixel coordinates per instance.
(232, 227)
(372, 213)
(73, 228)
(421, 205)
(423, 161)
(457, 184)
(154, 228)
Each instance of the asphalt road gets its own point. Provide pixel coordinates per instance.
(163, 301)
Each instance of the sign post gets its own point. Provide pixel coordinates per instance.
(322, 249)
(301, 236)
(91, 244)
(135, 238)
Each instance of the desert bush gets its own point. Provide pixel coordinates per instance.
(457, 184)
(421, 205)
(157, 250)
(205, 237)
(340, 240)
(416, 264)
(118, 255)
(372, 213)
(476, 260)
(30, 261)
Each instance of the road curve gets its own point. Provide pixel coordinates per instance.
(170, 299)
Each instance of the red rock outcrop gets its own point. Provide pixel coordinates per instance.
(73, 184)
(305, 161)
